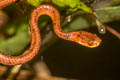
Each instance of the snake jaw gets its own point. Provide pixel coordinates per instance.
(91, 44)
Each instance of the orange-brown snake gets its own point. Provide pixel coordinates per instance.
(81, 37)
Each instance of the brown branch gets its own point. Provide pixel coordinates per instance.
(113, 31)
(13, 72)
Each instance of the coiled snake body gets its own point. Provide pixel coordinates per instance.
(81, 37)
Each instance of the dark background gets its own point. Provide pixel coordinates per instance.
(68, 59)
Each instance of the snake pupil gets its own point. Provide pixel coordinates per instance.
(68, 35)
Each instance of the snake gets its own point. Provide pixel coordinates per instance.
(81, 37)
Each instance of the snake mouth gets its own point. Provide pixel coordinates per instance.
(94, 44)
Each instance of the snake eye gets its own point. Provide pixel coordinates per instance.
(68, 35)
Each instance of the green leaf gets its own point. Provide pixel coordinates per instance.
(34, 2)
(74, 4)
(16, 44)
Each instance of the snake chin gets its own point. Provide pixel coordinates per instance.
(91, 44)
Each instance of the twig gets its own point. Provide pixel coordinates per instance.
(113, 31)
(104, 27)
(3, 69)
(13, 72)
(68, 18)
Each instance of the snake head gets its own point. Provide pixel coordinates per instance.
(86, 39)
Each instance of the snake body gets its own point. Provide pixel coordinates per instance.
(81, 37)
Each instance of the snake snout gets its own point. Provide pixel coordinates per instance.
(90, 40)
(94, 43)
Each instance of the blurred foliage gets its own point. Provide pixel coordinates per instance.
(105, 15)
(73, 4)
(35, 2)
(18, 42)
(19, 32)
